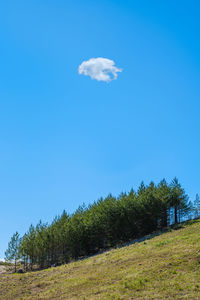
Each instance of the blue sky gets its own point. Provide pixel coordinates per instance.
(66, 139)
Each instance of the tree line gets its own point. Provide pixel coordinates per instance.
(106, 223)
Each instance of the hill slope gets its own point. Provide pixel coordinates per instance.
(164, 267)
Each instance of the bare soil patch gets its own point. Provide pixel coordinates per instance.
(3, 270)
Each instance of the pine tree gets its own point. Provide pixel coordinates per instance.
(163, 194)
(178, 200)
(13, 251)
(141, 188)
(197, 206)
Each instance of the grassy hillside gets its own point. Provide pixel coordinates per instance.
(164, 267)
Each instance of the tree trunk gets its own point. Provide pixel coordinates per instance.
(15, 266)
(175, 214)
(164, 222)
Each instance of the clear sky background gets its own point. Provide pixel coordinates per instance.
(66, 139)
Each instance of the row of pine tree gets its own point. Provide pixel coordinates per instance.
(106, 223)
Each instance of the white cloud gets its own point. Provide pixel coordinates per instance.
(101, 69)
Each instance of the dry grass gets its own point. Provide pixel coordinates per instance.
(165, 267)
